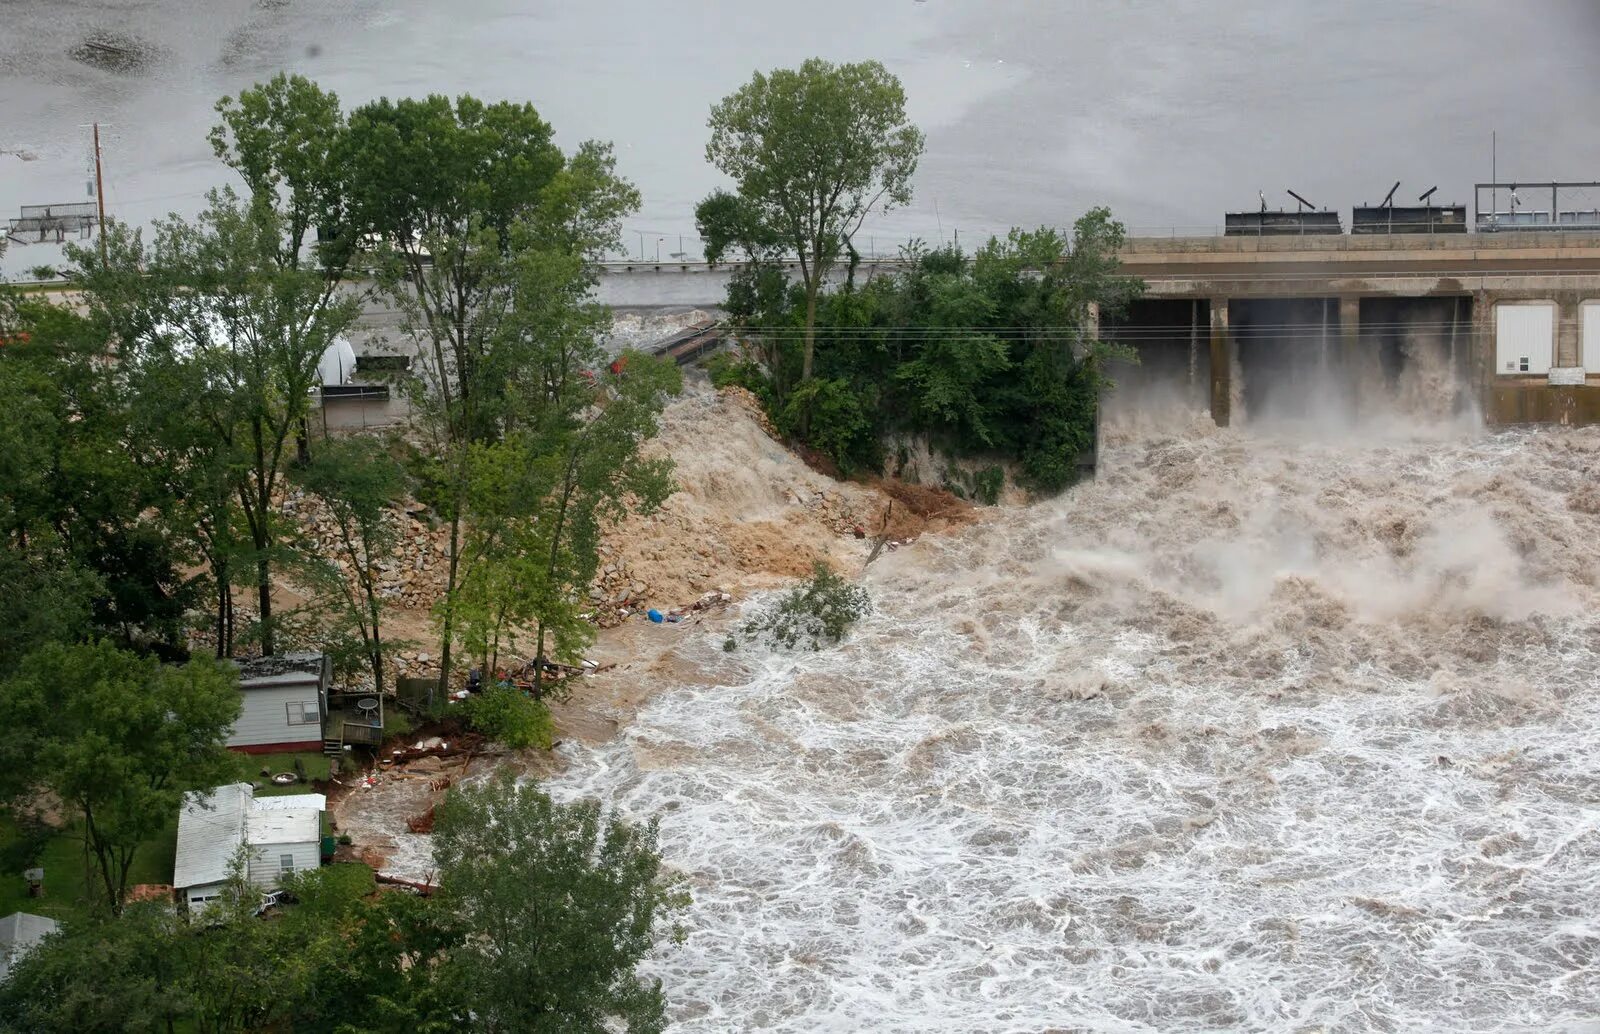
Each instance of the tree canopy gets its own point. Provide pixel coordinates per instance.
(117, 738)
(992, 354)
(568, 900)
(811, 151)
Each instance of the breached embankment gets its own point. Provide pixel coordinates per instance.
(748, 515)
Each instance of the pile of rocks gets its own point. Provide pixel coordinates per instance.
(835, 512)
(616, 591)
(412, 575)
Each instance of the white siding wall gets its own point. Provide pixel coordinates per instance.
(265, 861)
(1589, 355)
(1524, 331)
(265, 716)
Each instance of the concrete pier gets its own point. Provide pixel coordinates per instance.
(1223, 358)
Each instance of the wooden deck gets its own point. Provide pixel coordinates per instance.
(348, 726)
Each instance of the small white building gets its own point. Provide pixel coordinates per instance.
(19, 932)
(285, 702)
(278, 835)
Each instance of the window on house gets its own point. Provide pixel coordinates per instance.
(285, 864)
(1523, 364)
(302, 712)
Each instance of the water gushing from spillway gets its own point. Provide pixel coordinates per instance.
(1256, 732)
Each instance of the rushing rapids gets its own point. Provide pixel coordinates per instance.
(1255, 732)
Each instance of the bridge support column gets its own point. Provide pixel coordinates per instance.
(1223, 357)
(1483, 350)
(1350, 357)
(1569, 332)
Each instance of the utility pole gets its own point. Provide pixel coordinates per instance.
(100, 193)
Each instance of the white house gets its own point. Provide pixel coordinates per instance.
(19, 932)
(278, 835)
(285, 701)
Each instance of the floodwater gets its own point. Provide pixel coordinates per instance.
(1264, 730)
(1171, 113)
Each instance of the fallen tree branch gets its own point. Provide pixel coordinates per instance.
(883, 537)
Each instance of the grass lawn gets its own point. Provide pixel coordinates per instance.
(65, 894)
(315, 766)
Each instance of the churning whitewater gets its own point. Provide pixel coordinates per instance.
(1255, 732)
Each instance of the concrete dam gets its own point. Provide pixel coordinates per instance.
(1507, 323)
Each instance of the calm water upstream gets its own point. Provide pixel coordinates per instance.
(1169, 112)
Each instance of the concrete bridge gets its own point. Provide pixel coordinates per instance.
(1509, 322)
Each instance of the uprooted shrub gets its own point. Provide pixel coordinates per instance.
(506, 716)
(815, 614)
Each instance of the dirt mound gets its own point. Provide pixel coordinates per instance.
(749, 513)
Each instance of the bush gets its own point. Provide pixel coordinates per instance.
(728, 369)
(397, 722)
(987, 485)
(506, 716)
(841, 425)
(817, 613)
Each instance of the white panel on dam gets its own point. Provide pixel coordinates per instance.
(1524, 337)
(1589, 357)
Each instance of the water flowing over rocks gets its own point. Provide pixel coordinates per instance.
(1257, 732)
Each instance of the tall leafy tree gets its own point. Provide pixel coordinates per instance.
(561, 903)
(286, 139)
(248, 334)
(569, 461)
(360, 486)
(462, 194)
(117, 738)
(126, 975)
(81, 500)
(812, 151)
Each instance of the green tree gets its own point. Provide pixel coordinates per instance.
(247, 333)
(286, 138)
(360, 485)
(117, 738)
(548, 492)
(464, 197)
(818, 612)
(812, 151)
(82, 506)
(1046, 285)
(991, 356)
(130, 974)
(561, 901)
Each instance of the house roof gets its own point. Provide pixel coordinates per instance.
(285, 669)
(19, 932)
(212, 827)
(266, 826)
(210, 830)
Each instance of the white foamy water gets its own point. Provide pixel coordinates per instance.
(1251, 734)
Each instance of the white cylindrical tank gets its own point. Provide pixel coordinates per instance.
(338, 362)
